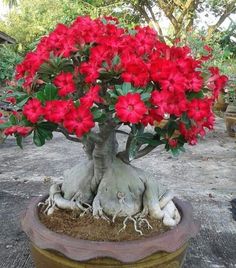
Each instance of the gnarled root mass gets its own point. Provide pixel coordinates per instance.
(122, 191)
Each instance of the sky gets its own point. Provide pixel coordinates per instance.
(3, 9)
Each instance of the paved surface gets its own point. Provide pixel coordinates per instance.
(205, 175)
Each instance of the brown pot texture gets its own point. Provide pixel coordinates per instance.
(52, 250)
(230, 120)
(220, 104)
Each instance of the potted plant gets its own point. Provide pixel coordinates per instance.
(230, 113)
(92, 80)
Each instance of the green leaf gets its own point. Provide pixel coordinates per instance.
(13, 119)
(148, 89)
(19, 140)
(23, 102)
(38, 139)
(175, 151)
(132, 32)
(105, 64)
(120, 91)
(112, 94)
(160, 131)
(40, 95)
(149, 138)
(133, 149)
(116, 60)
(111, 107)
(50, 92)
(5, 125)
(48, 126)
(45, 134)
(171, 127)
(145, 138)
(185, 119)
(145, 96)
(98, 115)
(126, 88)
(195, 95)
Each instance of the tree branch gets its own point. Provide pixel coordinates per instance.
(155, 23)
(168, 12)
(145, 151)
(230, 8)
(67, 135)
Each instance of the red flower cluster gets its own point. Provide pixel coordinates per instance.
(21, 130)
(75, 120)
(102, 56)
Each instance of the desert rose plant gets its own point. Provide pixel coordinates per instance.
(93, 79)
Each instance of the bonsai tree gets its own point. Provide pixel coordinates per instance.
(94, 79)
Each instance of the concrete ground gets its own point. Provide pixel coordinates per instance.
(205, 175)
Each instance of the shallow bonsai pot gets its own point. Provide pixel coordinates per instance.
(52, 250)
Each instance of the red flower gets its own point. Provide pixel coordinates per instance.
(91, 96)
(216, 82)
(11, 100)
(21, 130)
(55, 110)
(173, 143)
(198, 109)
(90, 71)
(130, 108)
(65, 83)
(79, 120)
(135, 71)
(190, 134)
(169, 102)
(33, 110)
(194, 82)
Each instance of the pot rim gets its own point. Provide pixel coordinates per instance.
(124, 251)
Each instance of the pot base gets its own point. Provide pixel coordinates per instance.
(50, 259)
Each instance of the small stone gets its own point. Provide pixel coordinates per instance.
(9, 246)
(47, 179)
(210, 195)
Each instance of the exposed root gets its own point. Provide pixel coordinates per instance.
(141, 221)
(135, 225)
(124, 191)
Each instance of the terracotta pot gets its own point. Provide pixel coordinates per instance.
(220, 104)
(230, 120)
(52, 250)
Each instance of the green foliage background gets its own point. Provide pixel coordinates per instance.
(29, 20)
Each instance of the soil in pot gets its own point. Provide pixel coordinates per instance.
(89, 228)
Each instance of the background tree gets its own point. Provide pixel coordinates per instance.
(27, 22)
(183, 14)
(10, 3)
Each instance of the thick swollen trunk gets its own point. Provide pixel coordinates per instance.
(111, 188)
